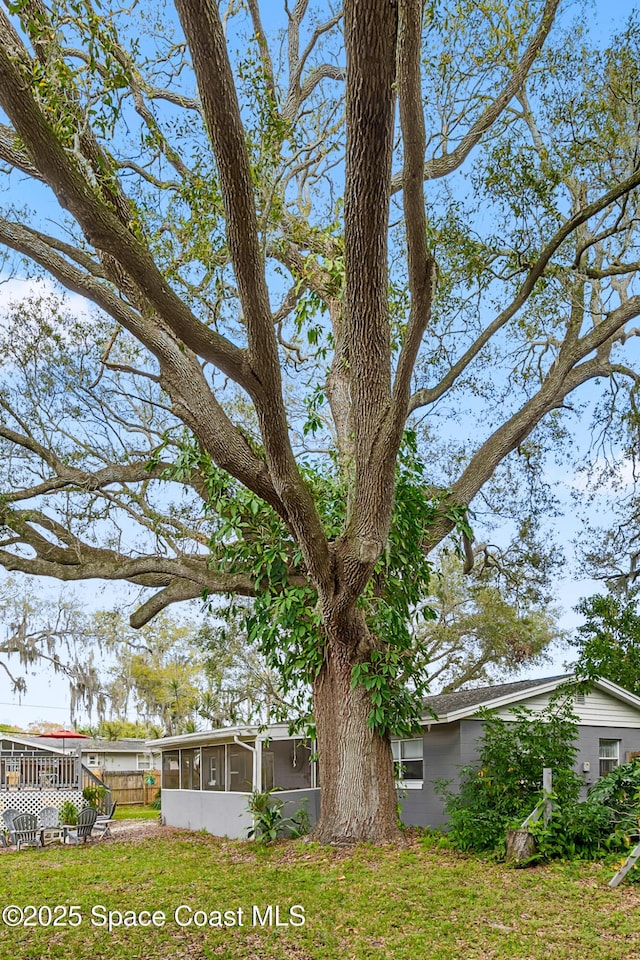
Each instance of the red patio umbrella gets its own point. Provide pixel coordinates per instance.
(65, 735)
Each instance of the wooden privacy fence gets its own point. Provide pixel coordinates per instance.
(132, 788)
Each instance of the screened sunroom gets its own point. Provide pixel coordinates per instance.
(207, 777)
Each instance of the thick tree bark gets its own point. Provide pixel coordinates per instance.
(51, 140)
(358, 800)
(521, 846)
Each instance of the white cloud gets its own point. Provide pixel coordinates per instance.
(15, 289)
(606, 478)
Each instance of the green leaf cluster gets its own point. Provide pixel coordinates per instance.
(608, 641)
(506, 785)
(395, 677)
(248, 537)
(605, 823)
(269, 822)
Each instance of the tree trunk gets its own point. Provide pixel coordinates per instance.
(358, 799)
(521, 846)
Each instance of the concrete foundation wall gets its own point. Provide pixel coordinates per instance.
(222, 814)
(226, 814)
(294, 799)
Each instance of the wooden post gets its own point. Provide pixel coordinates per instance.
(626, 866)
(78, 767)
(521, 844)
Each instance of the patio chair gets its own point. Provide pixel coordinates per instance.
(8, 816)
(50, 829)
(27, 830)
(49, 817)
(104, 821)
(86, 822)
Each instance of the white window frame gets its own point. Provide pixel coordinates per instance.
(143, 761)
(603, 756)
(408, 783)
(93, 759)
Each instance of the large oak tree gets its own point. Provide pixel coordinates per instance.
(304, 244)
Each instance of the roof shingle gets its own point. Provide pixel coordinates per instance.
(445, 703)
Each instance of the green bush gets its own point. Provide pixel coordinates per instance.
(269, 823)
(576, 830)
(619, 792)
(506, 785)
(68, 813)
(94, 795)
(603, 823)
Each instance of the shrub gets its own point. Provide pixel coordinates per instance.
(506, 784)
(94, 795)
(619, 792)
(269, 824)
(68, 813)
(576, 830)
(602, 824)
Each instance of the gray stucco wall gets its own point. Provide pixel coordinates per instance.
(588, 744)
(293, 800)
(450, 747)
(456, 745)
(589, 748)
(424, 808)
(225, 814)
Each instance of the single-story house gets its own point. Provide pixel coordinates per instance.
(207, 777)
(608, 735)
(129, 755)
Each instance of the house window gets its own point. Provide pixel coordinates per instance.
(143, 761)
(171, 770)
(213, 768)
(407, 759)
(609, 755)
(93, 760)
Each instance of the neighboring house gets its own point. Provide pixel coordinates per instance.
(36, 775)
(207, 777)
(106, 756)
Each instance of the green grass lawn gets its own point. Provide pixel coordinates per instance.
(401, 904)
(137, 812)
